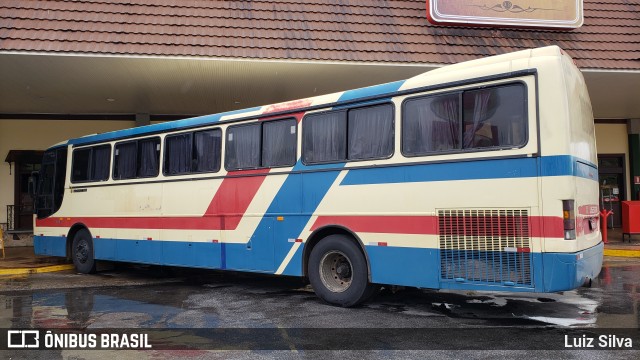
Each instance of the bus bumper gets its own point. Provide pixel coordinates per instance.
(567, 271)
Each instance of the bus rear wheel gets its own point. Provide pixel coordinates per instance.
(82, 252)
(338, 272)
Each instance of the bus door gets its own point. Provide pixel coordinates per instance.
(50, 183)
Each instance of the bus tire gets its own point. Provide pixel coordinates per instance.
(338, 272)
(82, 252)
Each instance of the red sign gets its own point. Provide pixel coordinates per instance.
(514, 13)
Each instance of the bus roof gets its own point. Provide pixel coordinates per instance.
(348, 96)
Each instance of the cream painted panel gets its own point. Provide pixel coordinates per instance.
(423, 198)
(188, 198)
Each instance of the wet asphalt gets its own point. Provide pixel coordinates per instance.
(208, 314)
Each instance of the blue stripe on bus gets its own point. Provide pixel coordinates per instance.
(375, 90)
(50, 245)
(417, 267)
(269, 243)
(155, 128)
(296, 196)
(561, 165)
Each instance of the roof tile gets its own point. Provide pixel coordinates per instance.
(364, 31)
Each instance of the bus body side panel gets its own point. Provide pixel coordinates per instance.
(568, 128)
(50, 245)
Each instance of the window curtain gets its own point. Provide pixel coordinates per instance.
(325, 137)
(101, 160)
(370, 132)
(125, 166)
(279, 143)
(207, 151)
(478, 115)
(243, 147)
(178, 154)
(149, 156)
(431, 124)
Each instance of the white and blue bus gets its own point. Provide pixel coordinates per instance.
(479, 176)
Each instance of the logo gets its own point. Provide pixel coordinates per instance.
(21, 339)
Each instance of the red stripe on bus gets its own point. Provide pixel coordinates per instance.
(382, 224)
(234, 196)
(224, 212)
(290, 105)
(539, 226)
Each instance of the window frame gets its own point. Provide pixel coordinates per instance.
(260, 124)
(90, 168)
(460, 93)
(346, 131)
(192, 135)
(137, 142)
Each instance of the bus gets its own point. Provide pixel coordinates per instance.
(476, 176)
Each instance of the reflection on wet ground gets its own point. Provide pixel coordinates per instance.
(194, 299)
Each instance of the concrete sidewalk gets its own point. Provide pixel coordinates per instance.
(22, 260)
(615, 246)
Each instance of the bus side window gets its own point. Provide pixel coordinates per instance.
(177, 156)
(279, 139)
(80, 165)
(324, 137)
(148, 157)
(370, 132)
(207, 150)
(91, 164)
(100, 162)
(495, 117)
(243, 147)
(125, 158)
(431, 124)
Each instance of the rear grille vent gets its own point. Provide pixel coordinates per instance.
(485, 246)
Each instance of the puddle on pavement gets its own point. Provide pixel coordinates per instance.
(613, 301)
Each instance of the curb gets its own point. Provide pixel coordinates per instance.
(37, 270)
(622, 253)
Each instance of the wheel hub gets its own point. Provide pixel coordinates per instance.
(336, 271)
(82, 251)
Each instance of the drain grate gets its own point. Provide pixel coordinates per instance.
(490, 246)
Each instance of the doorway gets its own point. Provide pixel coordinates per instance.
(20, 214)
(611, 174)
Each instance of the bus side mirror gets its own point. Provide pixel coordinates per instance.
(33, 184)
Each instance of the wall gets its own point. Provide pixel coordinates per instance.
(39, 135)
(613, 139)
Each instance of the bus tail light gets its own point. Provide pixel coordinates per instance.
(569, 219)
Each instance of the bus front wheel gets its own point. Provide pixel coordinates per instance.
(82, 252)
(338, 272)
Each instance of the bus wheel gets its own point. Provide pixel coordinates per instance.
(338, 272)
(82, 252)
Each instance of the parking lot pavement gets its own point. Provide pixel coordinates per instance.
(267, 316)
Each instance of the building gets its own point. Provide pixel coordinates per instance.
(71, 68)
